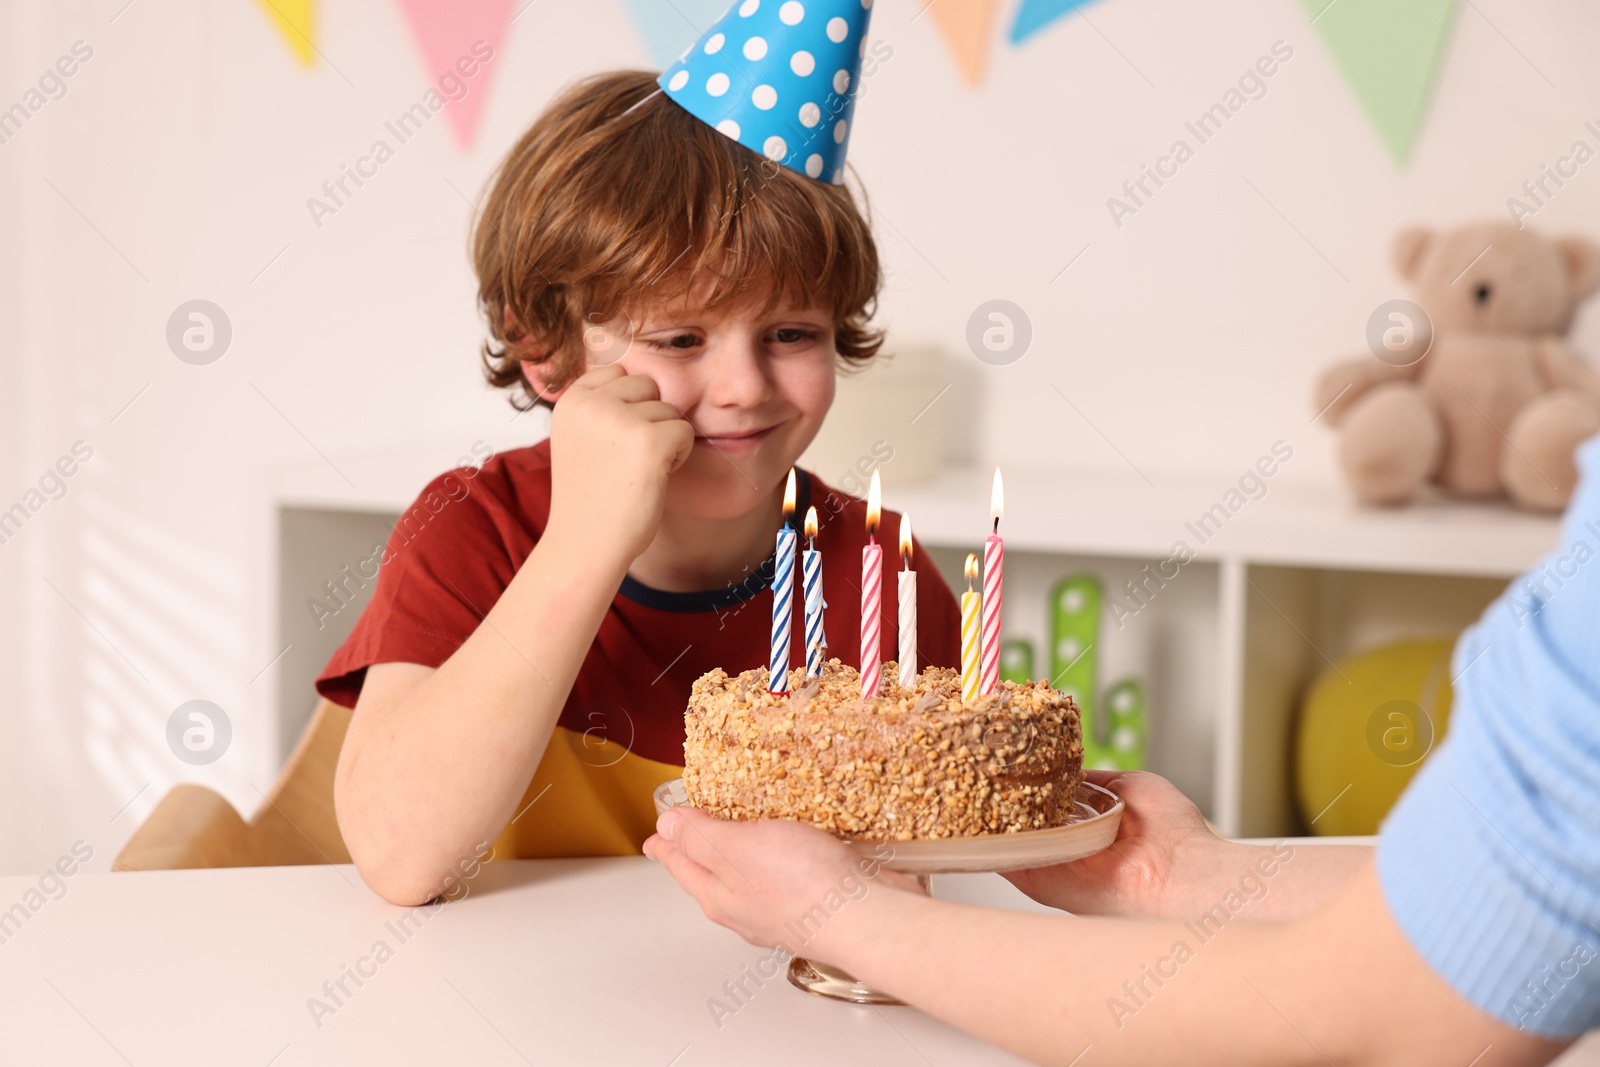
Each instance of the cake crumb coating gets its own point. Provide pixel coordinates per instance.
(913, 762)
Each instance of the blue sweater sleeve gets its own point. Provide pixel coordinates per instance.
(1490, 862)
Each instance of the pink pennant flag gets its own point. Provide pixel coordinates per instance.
(966, 26)
(460, 44)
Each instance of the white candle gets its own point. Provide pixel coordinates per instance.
(811, 562)
(908, 608)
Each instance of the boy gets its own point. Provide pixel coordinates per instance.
(682, 304)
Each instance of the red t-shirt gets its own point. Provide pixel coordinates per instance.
(455, 550)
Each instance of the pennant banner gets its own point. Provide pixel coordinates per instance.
(966, 25)
(296, 21)
(1389, 53)
(1035, 15)
(670, 26)
(460, 44)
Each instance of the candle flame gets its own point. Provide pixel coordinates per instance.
(972, 570)
(905, 541)
(788, 497)
(997, 499)
(811, 524)
(874, 505)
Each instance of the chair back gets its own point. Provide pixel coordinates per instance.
(194, 827)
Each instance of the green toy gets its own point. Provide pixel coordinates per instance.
(1125, 711)
(1114, 727)
(1016, 661)
(1074, 631)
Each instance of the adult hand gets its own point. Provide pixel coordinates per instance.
(613, 442)
(1156, 868)
(775, 883)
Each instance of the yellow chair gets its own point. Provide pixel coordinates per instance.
(296, 824)
(601, 806)
(195, 827)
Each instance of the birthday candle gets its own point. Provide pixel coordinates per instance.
(994, 562)
(782, 595)
(871, 594)
(969, 634)
(811, 562)
(908, 607)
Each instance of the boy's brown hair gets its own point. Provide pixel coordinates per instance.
(616, 192)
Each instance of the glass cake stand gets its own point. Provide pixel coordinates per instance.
(1091, 828)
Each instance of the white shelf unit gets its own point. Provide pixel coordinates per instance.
(1287, 583)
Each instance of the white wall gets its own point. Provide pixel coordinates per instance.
(183, 154)
(13, 689)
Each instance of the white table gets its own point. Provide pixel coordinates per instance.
(545, 962)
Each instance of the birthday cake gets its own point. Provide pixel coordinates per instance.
(913, 762)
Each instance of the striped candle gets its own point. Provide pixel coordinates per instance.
(782, 595)
(811, 561)
(994, 562)
(871, 595)
(969, 634)
(908, 608)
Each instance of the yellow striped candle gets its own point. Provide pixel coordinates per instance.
(994, 561)
(970, 609)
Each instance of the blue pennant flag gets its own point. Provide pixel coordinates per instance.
(666, 24)
(1035, 15)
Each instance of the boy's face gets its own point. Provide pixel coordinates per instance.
(755, 389)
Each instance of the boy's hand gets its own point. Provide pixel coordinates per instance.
(613, 442)
(760, 879)
(1161, 859)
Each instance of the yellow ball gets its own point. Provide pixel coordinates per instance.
(1368, 725)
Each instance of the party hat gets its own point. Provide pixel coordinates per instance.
(780, 77)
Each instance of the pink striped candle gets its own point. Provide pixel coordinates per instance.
(994, 564)
(871, 594)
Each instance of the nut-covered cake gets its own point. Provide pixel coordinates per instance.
(910, 763)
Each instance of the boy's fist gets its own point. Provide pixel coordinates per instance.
(613, 442)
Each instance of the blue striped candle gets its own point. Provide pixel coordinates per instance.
(811, 561)
(782, 595)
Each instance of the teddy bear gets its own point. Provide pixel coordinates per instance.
(1495, 403)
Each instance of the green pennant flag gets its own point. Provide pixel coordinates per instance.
(1389, 51)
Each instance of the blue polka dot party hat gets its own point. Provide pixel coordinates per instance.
(780, 77)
